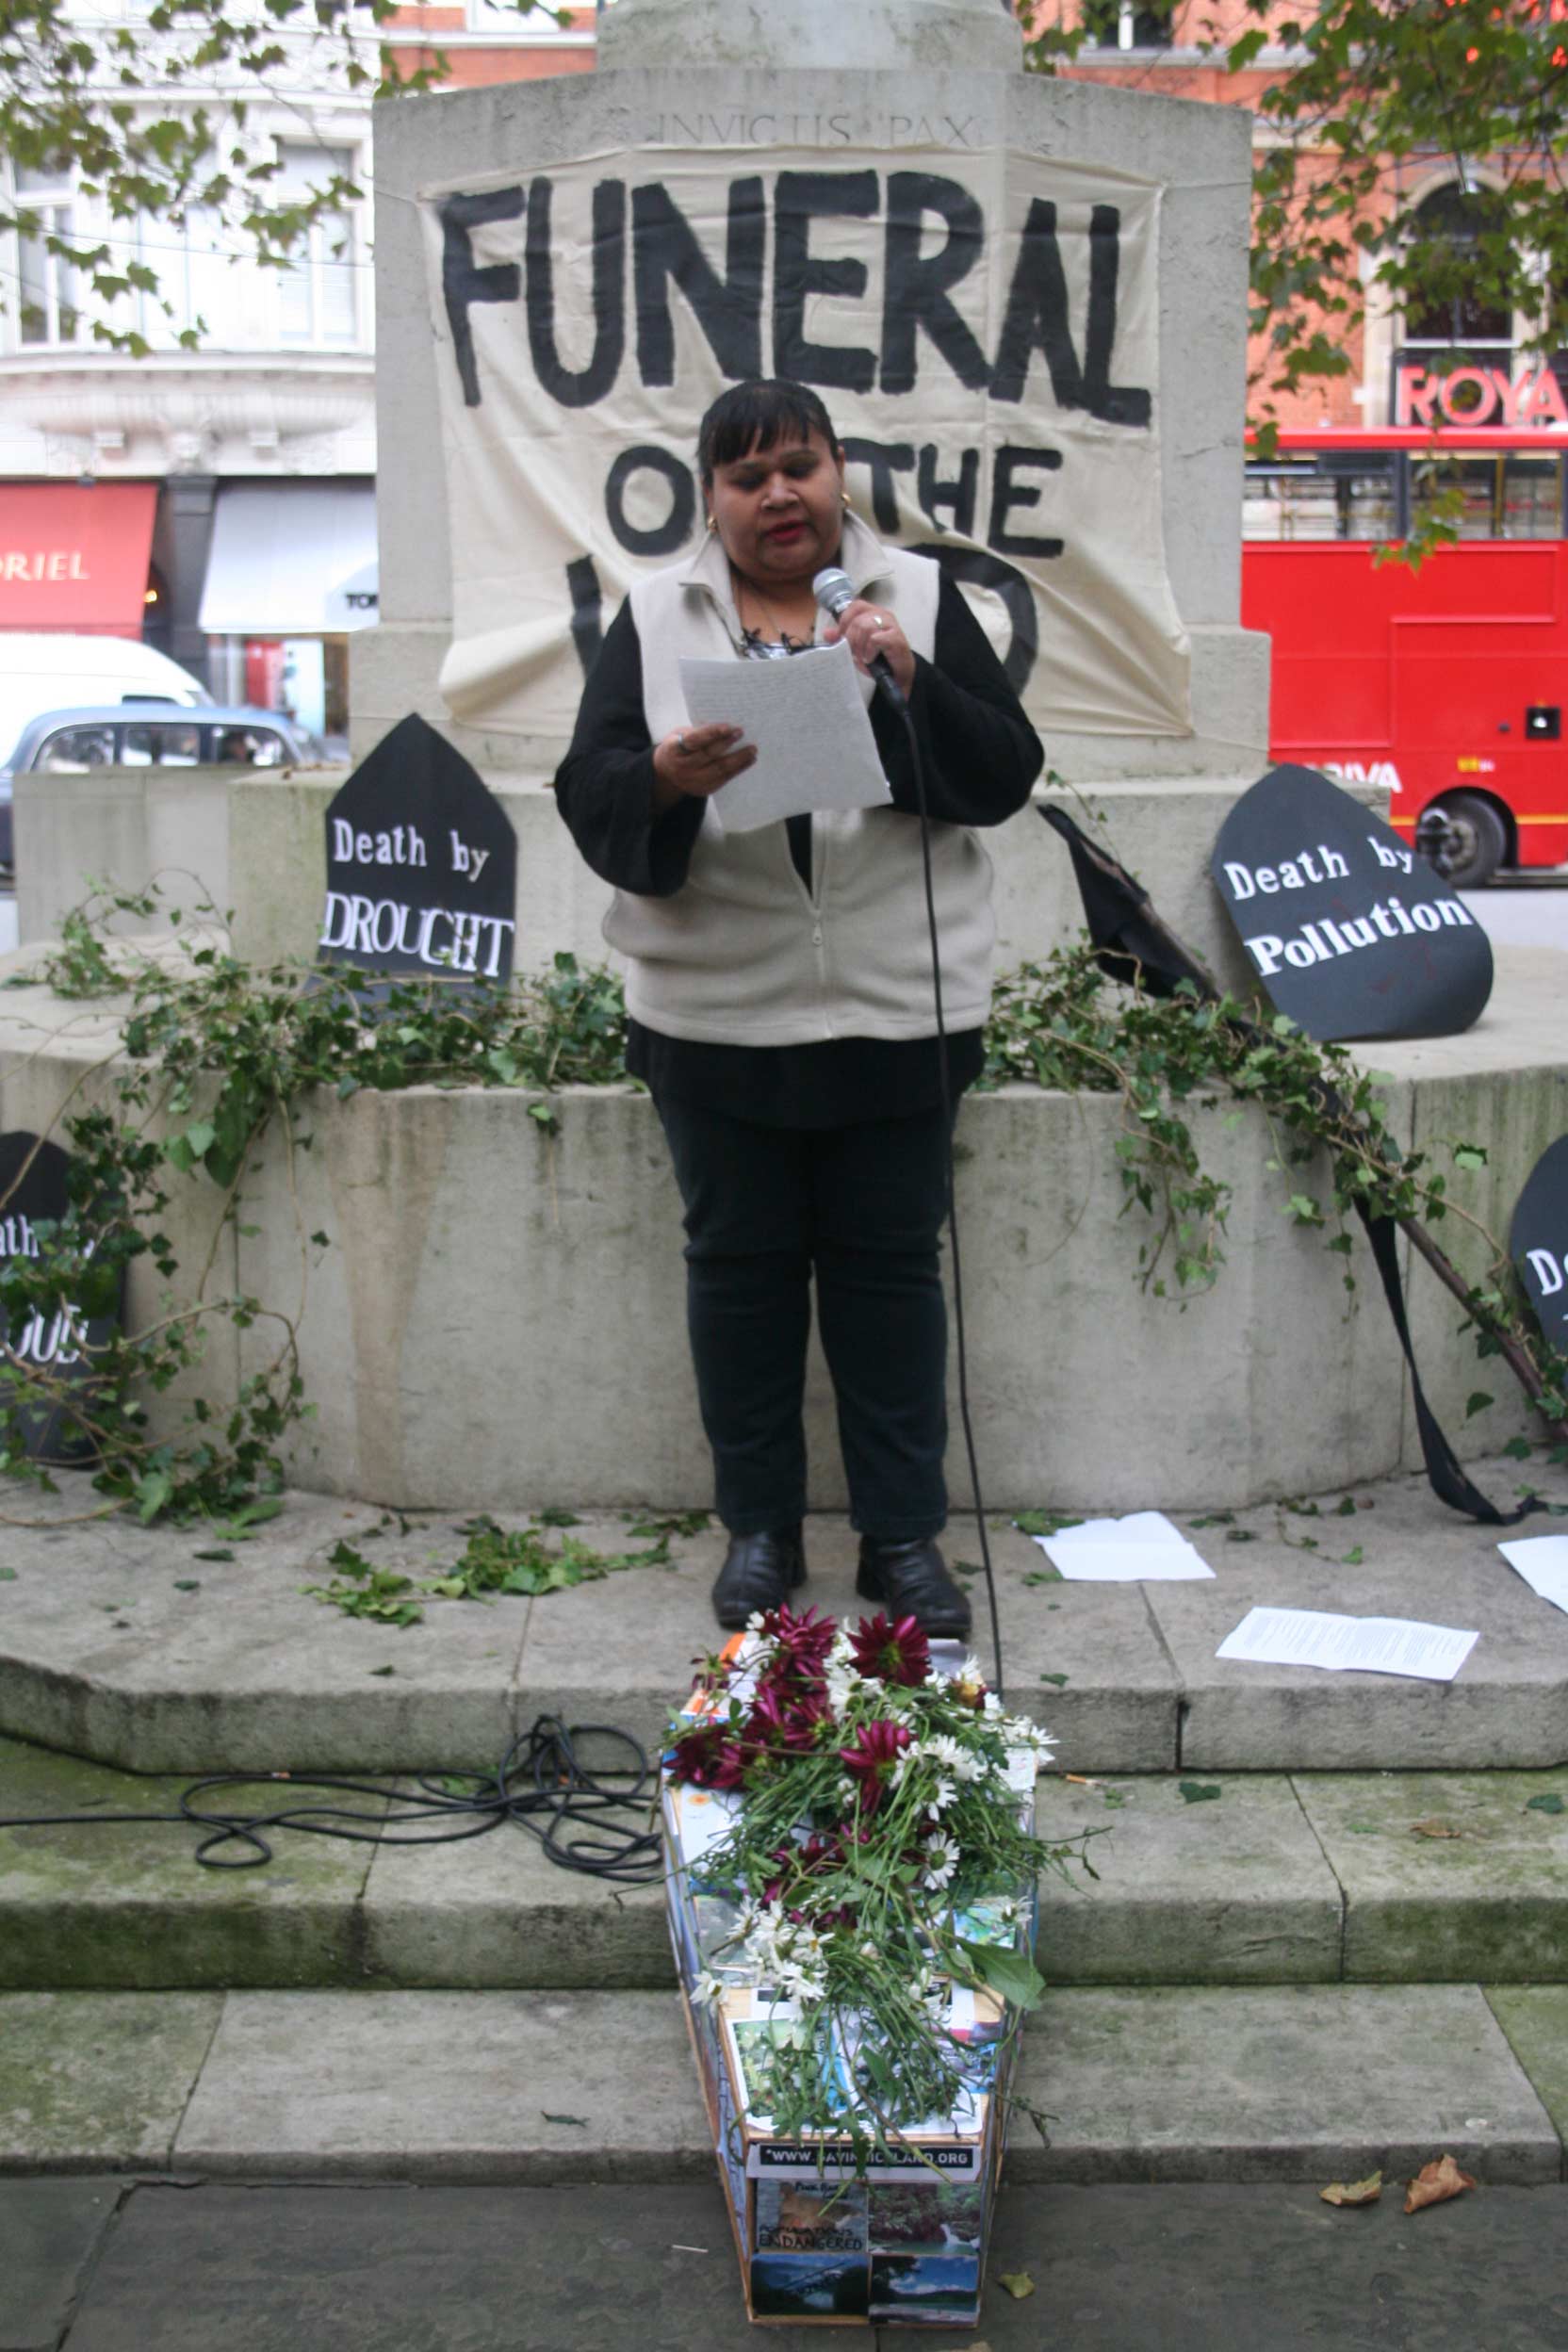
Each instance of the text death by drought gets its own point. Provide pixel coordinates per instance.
(403, 845)
(386, 926)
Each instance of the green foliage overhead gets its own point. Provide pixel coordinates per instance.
(1380, 104)
(1370, 106)
(155, 115)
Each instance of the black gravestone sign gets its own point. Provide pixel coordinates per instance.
(59, 1346)
(1350, 931)
(1537, 1242)
(421, 866)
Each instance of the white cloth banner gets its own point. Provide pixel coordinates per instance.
(982, 329)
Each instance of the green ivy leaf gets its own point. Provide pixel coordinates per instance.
(1010, 1974)
(1198, 1791)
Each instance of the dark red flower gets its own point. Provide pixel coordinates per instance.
(788, 1718)
(708, 1758)
(873, 1758)
(895, 1652)
(803, 1641)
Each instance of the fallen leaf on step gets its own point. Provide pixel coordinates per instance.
(1435, 2184)
(1017, 2284)
(1434, 1829)
(1197, 1791)
(1543, 1805)
(1353, 2192)
(578, 2120)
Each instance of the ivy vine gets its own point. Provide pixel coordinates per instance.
(211, 1053)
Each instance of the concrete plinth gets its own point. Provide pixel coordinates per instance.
(129, 827)
(494, 1294)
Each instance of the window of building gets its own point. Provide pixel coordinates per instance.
(47, 294)
(194, 259)
(319, 297)
(1456, 316)
(1118, 24)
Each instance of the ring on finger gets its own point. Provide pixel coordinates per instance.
(681, 742)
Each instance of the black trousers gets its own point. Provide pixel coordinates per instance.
(862, 1207)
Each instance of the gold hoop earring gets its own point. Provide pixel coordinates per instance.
(713, 522)
(843, 498)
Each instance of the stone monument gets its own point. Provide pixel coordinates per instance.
(928, 94)
(1024, 300)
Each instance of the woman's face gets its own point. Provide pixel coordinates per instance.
(779, 511)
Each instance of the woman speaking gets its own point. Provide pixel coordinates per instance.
(779, 993)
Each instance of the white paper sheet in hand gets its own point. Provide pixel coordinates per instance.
(1373, 1645)
(806, 717)
(1142, 1548)
(1543, 1561)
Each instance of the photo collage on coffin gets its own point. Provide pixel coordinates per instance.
(816, 2244)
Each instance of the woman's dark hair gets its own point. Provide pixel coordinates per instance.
(757, 415)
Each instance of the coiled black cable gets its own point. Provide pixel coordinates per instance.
(601, 1823)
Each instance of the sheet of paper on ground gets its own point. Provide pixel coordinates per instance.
(1142, 1548)
(1374, 1645)
(1543, 1561)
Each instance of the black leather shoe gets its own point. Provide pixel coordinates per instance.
(911, 1580)
(758, 1571)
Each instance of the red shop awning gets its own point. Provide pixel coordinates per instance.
(74, 555)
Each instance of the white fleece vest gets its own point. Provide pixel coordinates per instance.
(744, 954)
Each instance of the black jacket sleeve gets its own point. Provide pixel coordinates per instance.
(979, 752)
(604, 786)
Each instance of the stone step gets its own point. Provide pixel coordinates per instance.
(1250, 1878)
(178, 1651)
(1303, 2082)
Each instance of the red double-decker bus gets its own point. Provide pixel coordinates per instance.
(1448, 683)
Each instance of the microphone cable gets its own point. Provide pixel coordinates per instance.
(835, 591)
(889, 688)
(541, 1785)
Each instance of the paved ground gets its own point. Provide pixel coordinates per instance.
(107, 2266)
(1523, 911)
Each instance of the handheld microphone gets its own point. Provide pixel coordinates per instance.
(835, 592)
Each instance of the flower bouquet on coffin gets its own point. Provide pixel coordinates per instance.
(853, 1900)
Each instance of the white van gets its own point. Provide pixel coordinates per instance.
(51, 671)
